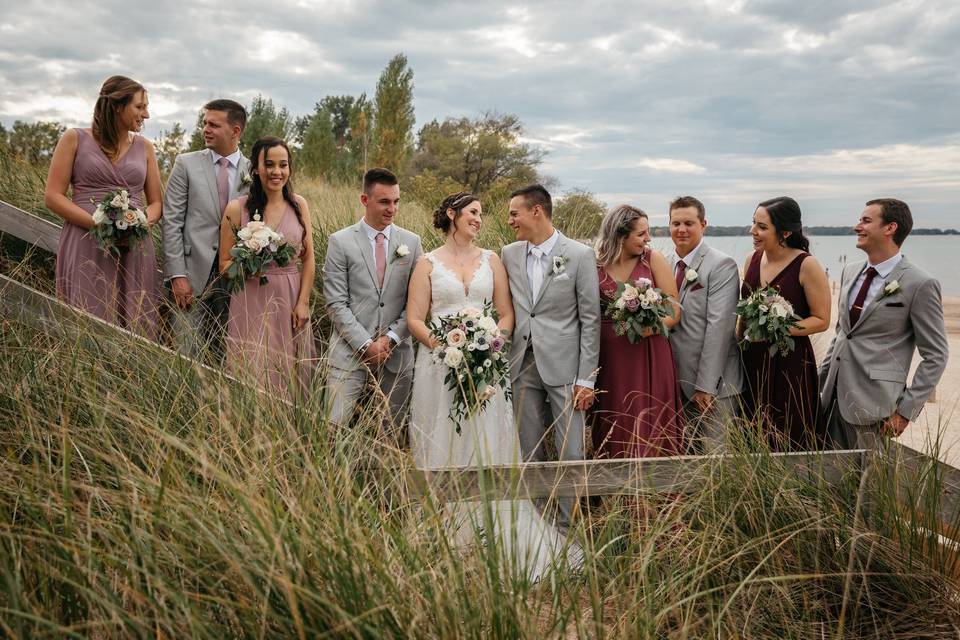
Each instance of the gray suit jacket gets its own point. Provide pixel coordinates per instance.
(192, 215)
(563, 323)
(868, 363)
(359, 310)
(704, 341)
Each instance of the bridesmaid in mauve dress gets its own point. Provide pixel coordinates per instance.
(269, 336)
(124, 290)
(637, 413)
(782, 393)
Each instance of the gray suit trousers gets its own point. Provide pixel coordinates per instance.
(707, 433)
(200, 329)
(344, 388)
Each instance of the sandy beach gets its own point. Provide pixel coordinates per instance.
(940, 417)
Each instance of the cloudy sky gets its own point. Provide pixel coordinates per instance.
(731, 100)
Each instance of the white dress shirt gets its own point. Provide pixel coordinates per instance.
(883, 272)
(546, 247)
(232, 168)
(372, 237)
(675, 257)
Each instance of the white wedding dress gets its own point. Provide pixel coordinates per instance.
(490, 438)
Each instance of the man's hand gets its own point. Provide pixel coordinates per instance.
(182, 291)
(378, 351)
(894, 425)
(582, 397)
(703, 400)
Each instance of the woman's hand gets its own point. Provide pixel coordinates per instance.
(301, 315)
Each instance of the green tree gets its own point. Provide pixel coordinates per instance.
(318, 153)
(168, 145)
(482, 154)
(34, 142)
(196, 138)
(265, 119)
(579, 213)
(392, 138)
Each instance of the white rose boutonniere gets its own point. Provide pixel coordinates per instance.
(890, 288)
(245, 180)
(559, 265)
(691, 276)
(402, 250)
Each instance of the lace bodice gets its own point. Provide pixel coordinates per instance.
(448, 293)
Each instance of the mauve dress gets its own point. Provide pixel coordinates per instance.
(261, 342)
(782, 391)
(638, 402)
(124, 290)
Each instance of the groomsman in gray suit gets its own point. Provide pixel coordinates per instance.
(888, 307)
(704, 342)
(200, 185)
(556, 338)
(365, 279)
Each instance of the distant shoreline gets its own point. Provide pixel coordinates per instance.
(728, 231)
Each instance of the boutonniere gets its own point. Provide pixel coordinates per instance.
(245, 179)
(889, 289)
(559, 265)
(402, 250)
(691, 276)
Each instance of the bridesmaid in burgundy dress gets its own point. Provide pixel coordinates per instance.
(269, 337)
(782, 391)
(124, 290)
(637, 413)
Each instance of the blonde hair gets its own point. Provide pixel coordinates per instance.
(617, 225)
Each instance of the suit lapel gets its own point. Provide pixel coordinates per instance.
(243, 168)
(391, 255)
(548, 276)
(522, 253)
(363, 246)
(694, 264)
(875, 301)
(211, 179)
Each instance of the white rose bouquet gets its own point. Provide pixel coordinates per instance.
(767, 317)
(116, 223)
(255, 247)
(638, 306)
(475, 352)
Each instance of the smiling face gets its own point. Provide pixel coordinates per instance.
(686, 229)
(635, 242)
(763, 232)
(273, 167)
(872, 232)
(131, 116)
(218, 133)
(468, 224)
(522, 218)
(380, 205)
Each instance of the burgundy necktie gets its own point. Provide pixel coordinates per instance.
(681, 271)
(381, 256)
(857, 307)
(223, 182)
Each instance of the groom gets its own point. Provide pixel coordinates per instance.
(887, 306)
(365, 279)
(200, 186)
(556, 339)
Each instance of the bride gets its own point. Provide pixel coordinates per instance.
(447, 280)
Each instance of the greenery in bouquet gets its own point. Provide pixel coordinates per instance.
(256, 247)
(767, 317)
(639, 306)
(117, 224)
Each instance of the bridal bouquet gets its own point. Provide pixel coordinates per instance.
(475, 353)
(639, 306)
(767, 317)
(116, 223)
(256, 246)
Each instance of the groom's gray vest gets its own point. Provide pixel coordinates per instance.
(563, 323)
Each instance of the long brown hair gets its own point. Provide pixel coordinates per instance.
(616, 226)
(115, 94)
(257, 200)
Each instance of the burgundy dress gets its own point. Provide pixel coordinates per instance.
(124, 290)
(638, 401)
(782, 391)
(261, 342)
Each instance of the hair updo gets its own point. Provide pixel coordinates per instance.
(458, 202)
(785, 215)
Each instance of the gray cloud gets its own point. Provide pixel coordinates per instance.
(734, 100)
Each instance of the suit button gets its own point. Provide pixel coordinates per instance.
(215, 247)
(533, 315)
(381, 304)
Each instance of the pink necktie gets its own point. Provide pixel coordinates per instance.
(223, 182)
(381, 255)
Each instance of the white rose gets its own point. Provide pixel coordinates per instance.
(121, 224)
(892, 287)
(779, 310)
(620, 303)
(629, 293)
(452, 357)
(118, 201)
(487, 363)
(479, 369)
(255, 244)
(456, 338)
(472, 312)
(99, 215)
(141, 217)
(691, 275)
(487, 324)
(403, 250)
(652, 296)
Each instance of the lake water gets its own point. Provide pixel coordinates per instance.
(937, 255)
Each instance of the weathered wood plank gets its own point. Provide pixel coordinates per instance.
(916, 474)
(29, 227)
(679, 474)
